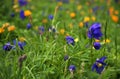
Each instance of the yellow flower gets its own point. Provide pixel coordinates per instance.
(28, 0)
(111, 9)
(67, 34)
(27, 13)
(81, 24)
(17, 10)
(11, 28)
(22, 39)
(106, 41)
(115, 18)
(86, 19)
(76, 40)
(44, 21)
(62, 31)
(96, 40)
(79, 7)
(71, 25)
(116, 12)
(72, 15)
(60, 3)
(5, 25)
(93, 18)
(36, 28)
(82, 12)
(15, 6)
(1, 30)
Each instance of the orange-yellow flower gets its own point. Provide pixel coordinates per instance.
(5, 25)
(62, 31)
(60, 3)
(81, 24)
(86, 19)
(111, 9)
(11, 28)
(22, 39)
(96, 40)
(44, 21)
(27, 13)
(79, 7)
(1, 30)
(72, 15)
(71, 25)
(106, 41)
(115, 18)
(93, 18)
(116, 12)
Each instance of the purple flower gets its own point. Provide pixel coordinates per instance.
(22, 2)
(95, 31)
(70, 40)
(21, 45)
(97, 45)
(41, 28)
(99, 65)
(50, 17)
(7, 47)
(66, 57)
(22, 16)
(72, 68)
(12, 14)
(29, 26)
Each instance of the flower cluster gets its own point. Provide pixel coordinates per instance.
(99, 65)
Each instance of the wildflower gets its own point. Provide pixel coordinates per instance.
(22, 2)
(21, 45)
(97, 45)
(27, 13)
(86, 19)
(62, 31)
(66, 57)
(22, 16)
(97, 40)
(7, 47)
(52, 29)
(71, 25)
(60, 3)
(99, 65)
(81, 24)
(11, 28)
(79, 7)
(72, 15)
(76, 40)
(86, 24)
(72, 68)
(70, 40)
(22, 39)
(41, 29)
(50, 17)
(5, 25)
(95, 31)
(115, 18)
(106, 41)
(12, 14)
(29, 26)
(116, 12)
(44, 21)
(1, 30)
(93, 18)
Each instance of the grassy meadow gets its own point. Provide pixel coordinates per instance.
(59, 39)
